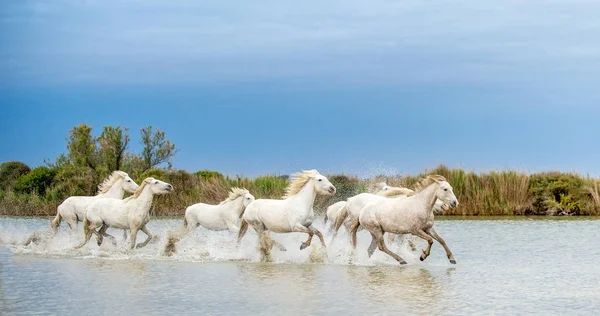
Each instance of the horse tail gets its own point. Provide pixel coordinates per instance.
(341, 217)
(56, 221)
(243, 230)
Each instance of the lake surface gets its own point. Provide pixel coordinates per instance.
(505, 266)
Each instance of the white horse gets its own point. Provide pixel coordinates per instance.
(349, 211)
(332, 212)
(224, 216)
(410, 215)
(73, 208)
(133, 213)
(334, 209)
(292, 214)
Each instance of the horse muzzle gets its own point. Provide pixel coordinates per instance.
(331, 189)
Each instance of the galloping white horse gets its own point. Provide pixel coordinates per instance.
(133, 213)
(348, 212)
(292, 214)
(225, 215)
(410, 215)
(73, 208)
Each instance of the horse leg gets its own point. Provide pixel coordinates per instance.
(279, 245)
(424, 235)
(149, 234)
(412, 245)
(307, 242)
(353, 232)
(391, 238)
(124, 235)
(318, 233)
(437, 237)
(88, 230)
(372, 246)
(134, 230)
(99, 234)
(105, 234)
(378, 232)
(72, 224)
(242, 232)
(303, 229)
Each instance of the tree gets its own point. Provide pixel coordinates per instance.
(83, 151)
(113, 144)
(157, 150)
(10, 171)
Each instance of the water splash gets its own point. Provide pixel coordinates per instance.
(199, 246)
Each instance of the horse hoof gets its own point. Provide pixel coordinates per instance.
(402, 262)
(452, 261)
(303, 246)
(422, 258)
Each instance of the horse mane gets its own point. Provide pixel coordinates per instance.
(234, 194)
(394, 191)
(427, 181)
(140, 189)
(108, 182)
(298, 181)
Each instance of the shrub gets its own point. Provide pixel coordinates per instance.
(208, 174)
(37, 181)
(10, 171)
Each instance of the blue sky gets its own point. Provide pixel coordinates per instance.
(361, 87)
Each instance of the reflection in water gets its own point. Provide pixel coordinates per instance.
(407, 286)
(503, 269)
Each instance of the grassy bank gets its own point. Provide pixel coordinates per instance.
(480, 194)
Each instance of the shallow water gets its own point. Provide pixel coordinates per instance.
(504, 267)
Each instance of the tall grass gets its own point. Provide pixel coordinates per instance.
(479, 194)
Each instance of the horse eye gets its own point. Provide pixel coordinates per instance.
(320, 179)
(445, 189)
(155, 182)
(128, 180)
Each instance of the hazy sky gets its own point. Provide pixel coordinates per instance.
(363, 87)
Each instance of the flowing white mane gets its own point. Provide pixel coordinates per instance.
(140, 189)
(108, 182)
(392, 191)
(298, 181)
(234, 194)
(429, 180)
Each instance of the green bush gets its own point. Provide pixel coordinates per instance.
(153, 173)
(208, 174)
(37, 181)
(560, 191)
(10, 171)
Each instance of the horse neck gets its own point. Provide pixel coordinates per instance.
(428, 197)
(306, 197)
(143, 201)
(236, 206)
(116, 191)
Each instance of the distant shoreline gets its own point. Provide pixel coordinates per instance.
(495, 193)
